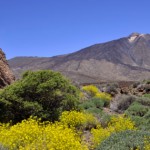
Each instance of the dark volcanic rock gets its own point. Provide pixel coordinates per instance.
(6, 76)
(125, 59)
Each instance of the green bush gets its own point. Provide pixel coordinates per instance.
(137, 109)
(125, 140)
(140, 114)
(93, 105)
(99, 103)
(43, 93)
(105, 119)
(144, 101)
(141, 122)
(147, 115)
(86, 105)
(125, 101)
(106, 102)
(94, 110)
(147, 95)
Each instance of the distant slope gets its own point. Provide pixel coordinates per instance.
(125, 59)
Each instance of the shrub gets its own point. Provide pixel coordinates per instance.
(137, 109)
(147, 95)
(147, 144)
(94, 110)
(98, 135)
(124, 101)
(106, 102)
(79, 120)
(87, 104)
(32, 134)
(147, 115)
(96, 94)
(94, 102)
(103, 95)
(99, 103)
(91, 89)
(126, 140)
(93, 105)
(140, 114)
(43, 93)
(144, 101)
(116, 124)
(121, 123)
(141, 122)
(104, 119)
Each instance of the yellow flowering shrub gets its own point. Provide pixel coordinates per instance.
(79, 120)
(32, 135)
(103, 95)
(99, 134)
(116, 124)
(94, 92)
(147, 144)
(91, 89)
(121, 123)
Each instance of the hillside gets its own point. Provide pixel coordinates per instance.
(124, 59)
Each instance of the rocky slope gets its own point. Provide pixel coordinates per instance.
(6, 75)
(124, 59)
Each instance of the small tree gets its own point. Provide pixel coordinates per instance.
(43, 93)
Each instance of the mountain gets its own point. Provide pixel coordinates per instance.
(124, 59)
(6, 76)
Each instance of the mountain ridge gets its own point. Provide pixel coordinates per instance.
(126, 58)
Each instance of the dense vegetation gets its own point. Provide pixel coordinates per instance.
(125, 140)
(44, 111)
(43, 93)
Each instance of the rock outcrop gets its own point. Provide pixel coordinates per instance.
(6, 75)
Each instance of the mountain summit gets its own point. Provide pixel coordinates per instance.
(124, 59)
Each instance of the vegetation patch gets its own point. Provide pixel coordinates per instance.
(137, 109)
(78, 120)
(116, 124)
(126, 140)
(32, 134)
(45, 94)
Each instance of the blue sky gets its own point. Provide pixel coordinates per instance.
(54, 27)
